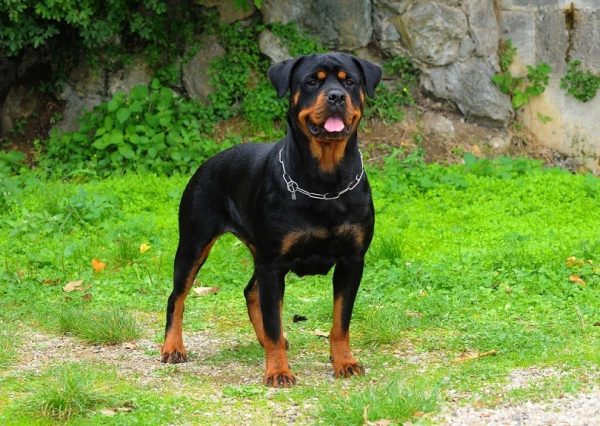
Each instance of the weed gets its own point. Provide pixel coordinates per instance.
(520, 89)
(395, 400)
(582, 85)
(70, 392)
(105, 326)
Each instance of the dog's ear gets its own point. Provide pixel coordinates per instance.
(371, 73)
(280, 74)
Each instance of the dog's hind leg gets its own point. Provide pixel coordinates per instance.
(190, 257)
(253, 305)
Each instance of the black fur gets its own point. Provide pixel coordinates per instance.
(242, 191)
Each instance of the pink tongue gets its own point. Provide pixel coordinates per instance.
(334, 124)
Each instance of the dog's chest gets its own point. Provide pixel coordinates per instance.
(315, 250)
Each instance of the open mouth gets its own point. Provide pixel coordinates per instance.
(332, 127)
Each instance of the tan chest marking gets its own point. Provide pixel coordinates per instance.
(295, 237)
(355, 232)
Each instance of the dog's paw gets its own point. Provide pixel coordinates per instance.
(173, 355)
(347, 368)
(280, 378)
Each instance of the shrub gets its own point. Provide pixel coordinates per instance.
(152, 129)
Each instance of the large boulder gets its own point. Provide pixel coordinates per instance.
(341, 24)
(196, 76)
(468, 84)
(135, 73)
(85, 88)
(432, 31)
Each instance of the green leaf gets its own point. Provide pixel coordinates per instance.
(126, 151)
(112, 105)
(123, 114)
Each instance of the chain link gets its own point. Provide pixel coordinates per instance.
(293, 187)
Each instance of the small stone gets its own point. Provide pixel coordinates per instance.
(437, 125)
(500, 144)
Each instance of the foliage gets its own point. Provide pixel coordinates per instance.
(582, 85)
(520, 89)
(103, 31)
(151, 129)
(390, 98)
(297, 41)
(11, 161)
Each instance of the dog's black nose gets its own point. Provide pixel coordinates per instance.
(336, 97)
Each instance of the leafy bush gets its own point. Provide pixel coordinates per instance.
(11, 161)
(582, 85)
(151, 129)
(103, 29)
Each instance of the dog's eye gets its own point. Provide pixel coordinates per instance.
(312, 82)
(349, 82)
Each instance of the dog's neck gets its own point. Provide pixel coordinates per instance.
(327, 165)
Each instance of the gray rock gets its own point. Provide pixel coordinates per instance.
(341, 24)
(283, 11)
(75, 106)
(520, 28)
(196, 78)
(436, 124)
(549, 38)
(134, 74)
(586, 39)
(432, 31)
(85, 88)
(385, 33)
(483, 26)
(469, 85)
(273, 47)
(20, 103)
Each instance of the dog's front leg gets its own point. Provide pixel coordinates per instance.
(271, 286)
(346, 280)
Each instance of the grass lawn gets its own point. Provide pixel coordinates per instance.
(477, 272)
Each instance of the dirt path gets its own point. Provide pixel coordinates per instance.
(139, 361)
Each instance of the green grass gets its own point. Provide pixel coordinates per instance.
(69, 392)
(473, 257)
(8, 342)
(97, 326)
(396, 400)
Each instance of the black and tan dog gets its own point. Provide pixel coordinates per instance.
(302, 204)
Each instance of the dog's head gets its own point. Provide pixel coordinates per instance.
(327, 94)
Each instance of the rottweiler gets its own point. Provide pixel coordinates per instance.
(302, 204)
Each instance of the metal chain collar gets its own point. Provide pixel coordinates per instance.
(293, 187)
